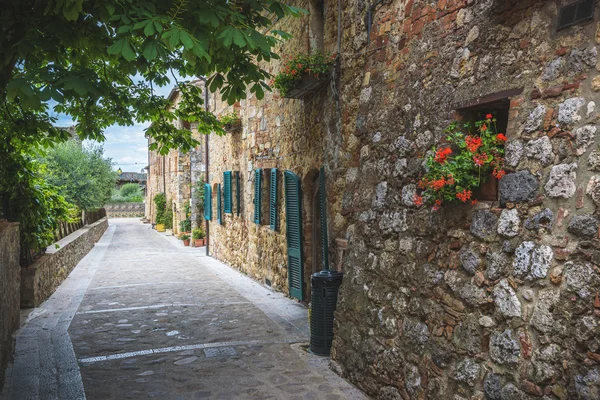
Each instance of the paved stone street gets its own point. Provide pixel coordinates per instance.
(143, 317)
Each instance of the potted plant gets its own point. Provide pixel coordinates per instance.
(472, 155)
(304, 74)
(198, 236)
(230, 122)
(160, 202)
(168, 219)
(186, 239)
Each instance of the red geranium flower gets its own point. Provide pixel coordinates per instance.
(437, 204)
(488, 116)
(464, 195)
(473, 143)
(501, 138)
(418, 200)
(437, 184)
(499, 174)
(484, 127)
(442, 154)
(473, 202)
(450, 180)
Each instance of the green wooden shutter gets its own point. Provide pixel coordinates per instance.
(207, 202)
(257, 193)
(237, 192)
(273, 200)
(227, 192)
(219, 217)
(323, 211)
(293, 219)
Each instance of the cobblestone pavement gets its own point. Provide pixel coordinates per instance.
(143, 317)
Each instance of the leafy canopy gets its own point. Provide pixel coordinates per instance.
(100, 61)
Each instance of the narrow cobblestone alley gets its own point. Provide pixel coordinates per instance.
(143, 317)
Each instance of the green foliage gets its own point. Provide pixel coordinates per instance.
(160, 202)
(198, 195)
(473, 153)
(129, 193)
(169, 216)
(185, 225)
(101, 61)
(198, 233)
(227, 120)
(84, 177)
(298, 66)
(184, 237)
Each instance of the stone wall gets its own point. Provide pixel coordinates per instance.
(497, 300)
(125, 210)
(40, 280)
(10, 281)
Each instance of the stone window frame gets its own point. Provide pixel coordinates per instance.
(504, 105)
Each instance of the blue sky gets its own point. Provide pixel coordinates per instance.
(126, 145)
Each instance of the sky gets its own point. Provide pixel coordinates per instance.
(125, 145)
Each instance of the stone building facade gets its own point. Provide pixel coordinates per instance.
(175, 174)
(499, 300)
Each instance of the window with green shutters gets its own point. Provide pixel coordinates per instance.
(227, 206)
(257, 195)
(207, 202)
(219, 216)
(273, 199)
(293, 218)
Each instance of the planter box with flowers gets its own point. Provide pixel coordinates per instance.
(473, 156)
(304, 74)
(198, 236)
(230, 122)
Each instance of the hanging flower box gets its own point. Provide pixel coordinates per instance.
(303, 75)
(231, 122)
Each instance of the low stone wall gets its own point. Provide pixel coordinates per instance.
(40, 280)
(125, 210)
(10, 282)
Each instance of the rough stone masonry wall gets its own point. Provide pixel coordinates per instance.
(471, 302)
(10, 282)
(40, 280)
(124, 210)
(287, 134)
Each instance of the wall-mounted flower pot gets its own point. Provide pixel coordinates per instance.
(310, 83)
(169, 232)
(160, 227)
(199, 242)
(233, 127)
(186, 242)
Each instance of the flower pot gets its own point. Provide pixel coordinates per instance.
(169, 232)
(199, 242)
(186, 242)
(310, 83)
(160, 227)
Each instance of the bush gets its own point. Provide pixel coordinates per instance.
(169, 216)
(198, 233)
(160, 201)
(131, 190)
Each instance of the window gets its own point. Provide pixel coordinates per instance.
(227, 206)
(219, 216)
(580, 11)
(207, 202)
(237, 193)
(488, 191)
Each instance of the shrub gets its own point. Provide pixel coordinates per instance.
(160, 202)
(184, 237)
(198, 233)
(169, 216)
(130, 190)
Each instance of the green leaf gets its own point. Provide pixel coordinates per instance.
(149, 29)
(117, 46)
(238, 38)
(186, 39)
(150, 50)
(227, 36)
(174, 38)
(128, 52)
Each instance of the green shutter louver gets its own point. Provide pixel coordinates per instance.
(227, 192)
(273, 200)
(323, 212)
(219, 217)
(257, 193)
(237, 192)
(293, 220)
(207, 202)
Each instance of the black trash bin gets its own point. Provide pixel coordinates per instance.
(325, 286)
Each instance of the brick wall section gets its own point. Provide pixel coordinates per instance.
(10, 280)
(40, 280)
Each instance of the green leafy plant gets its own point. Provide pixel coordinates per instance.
(185, 225)
(197, 233)
(230, 119)
(184, 237)
(198, 195)
(300, 65)
(168, 217)
(472, 153)
(160, 202)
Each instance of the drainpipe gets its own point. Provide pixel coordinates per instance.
(206, 163)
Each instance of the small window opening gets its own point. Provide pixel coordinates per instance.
(488, 190)
(580, 11)
(316, 24)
